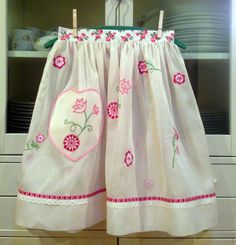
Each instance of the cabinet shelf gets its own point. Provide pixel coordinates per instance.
(206, 56)
(187, 56)
(28, 54)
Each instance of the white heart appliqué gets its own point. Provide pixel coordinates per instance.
(76, 122)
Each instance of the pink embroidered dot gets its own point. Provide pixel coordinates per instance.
(128, 158)
(124, 86)
(59, 61)
(112, 110)
(142, 66)
(40, 138)
(179, 78)
(71, 142)
(148, 183)
(80, 106)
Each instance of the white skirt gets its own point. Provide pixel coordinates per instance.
(116, 134)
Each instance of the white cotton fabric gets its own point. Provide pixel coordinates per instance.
(116, 134)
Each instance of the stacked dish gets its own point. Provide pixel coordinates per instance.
(201, 31)
(19, 116)
(214, 121)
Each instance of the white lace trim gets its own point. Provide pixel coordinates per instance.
(71, 202)
(136, 204)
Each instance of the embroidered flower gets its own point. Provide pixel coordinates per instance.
(124, 86)
(176, 134)
(112, 110)
(95, 110)
(154, 37)
(97, 34)
(175, 145)
(142, 34)
(126, 37)
(146, 66)
(170, 37)
(65, 35)
(35, 144)
(179, 78)
(142, 66)
(40, 138)
(80, 106)
(59, 61)
(71, 142)
(82, 37)
(110, 36)
(128, 158)
(148, 183)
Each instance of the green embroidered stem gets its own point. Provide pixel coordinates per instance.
(90, 128)
(74, 126)
(33, 145)
(151, 67)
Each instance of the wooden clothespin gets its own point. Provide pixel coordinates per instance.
(75, 23)
(160, 24)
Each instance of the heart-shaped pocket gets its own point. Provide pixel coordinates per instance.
(76, 122)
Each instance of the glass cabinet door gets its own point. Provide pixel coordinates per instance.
(30, 24)
(204, 27)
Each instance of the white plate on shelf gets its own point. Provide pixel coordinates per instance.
(202, 21)
(205, 49)
(204, 15)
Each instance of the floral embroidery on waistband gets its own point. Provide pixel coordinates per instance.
(35, 144)
(109, 36)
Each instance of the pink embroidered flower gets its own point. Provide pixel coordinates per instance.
(171, 37)
(128, 158)
(176, 133)
(100, 31)
(175, 145)
(97, 36)
(153, 39)
(127, 34)
(177, 150)
(95, 110)
(59, 61)
(124, 86)
(142, 66)
(65, 36)
(112, 110)
(108, 39)
(179, 78)
(124, 39)
(40, 138)
(82, 37)
(148, 183)
(80, 106)
(71, 142)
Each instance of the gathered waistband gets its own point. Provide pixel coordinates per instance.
(106, 35)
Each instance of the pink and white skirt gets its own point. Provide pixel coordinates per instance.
(116, 134)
